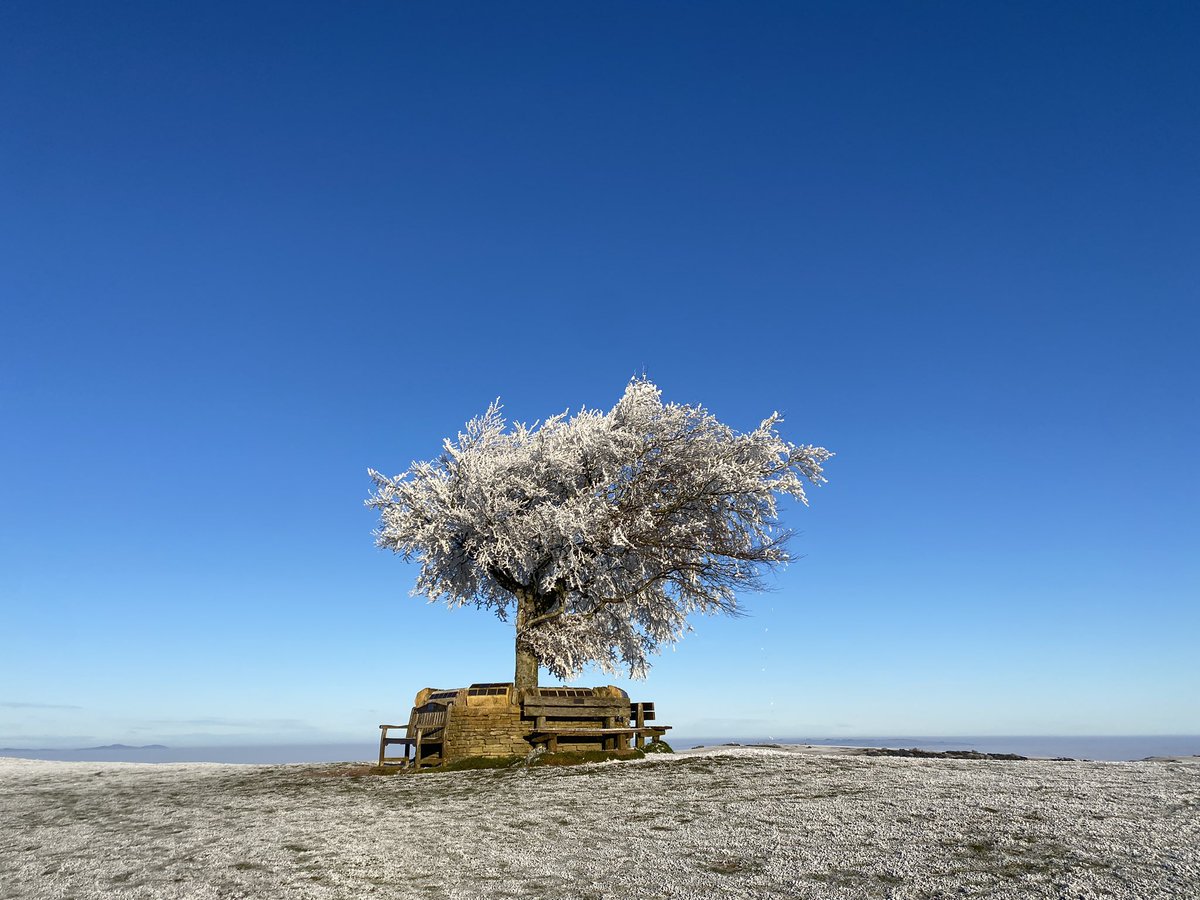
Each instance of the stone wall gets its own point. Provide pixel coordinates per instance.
(485, 726)
(482, 720)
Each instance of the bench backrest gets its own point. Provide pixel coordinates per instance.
(646, 711)
(427, 718)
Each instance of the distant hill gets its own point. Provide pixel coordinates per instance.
(80, 749)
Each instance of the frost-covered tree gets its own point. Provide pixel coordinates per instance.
(601, 532)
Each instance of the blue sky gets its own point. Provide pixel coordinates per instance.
(247, 252)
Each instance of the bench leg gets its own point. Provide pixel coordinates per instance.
(382, 745)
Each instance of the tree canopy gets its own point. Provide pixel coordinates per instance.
(601, 531)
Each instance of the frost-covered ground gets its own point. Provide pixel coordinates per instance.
(728, 823)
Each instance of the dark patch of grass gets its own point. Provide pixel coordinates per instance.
(840, 877)
(701, 765)
(353, 772)
(1014, 869)
(472, 763)
(726, 866)
(835, 793)
(577, 757)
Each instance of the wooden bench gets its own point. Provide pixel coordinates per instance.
(639, 715)
(426, 727)
(606, 719)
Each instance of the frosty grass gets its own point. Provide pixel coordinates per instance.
(727, 823)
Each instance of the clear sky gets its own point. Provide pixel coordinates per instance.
(249, 250)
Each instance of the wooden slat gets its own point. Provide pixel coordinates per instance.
(599, 732)
(428, 720)
(531, 711)
(572, 730)
(575, 702)
(578, 731)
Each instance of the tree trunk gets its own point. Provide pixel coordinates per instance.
(526, 676)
